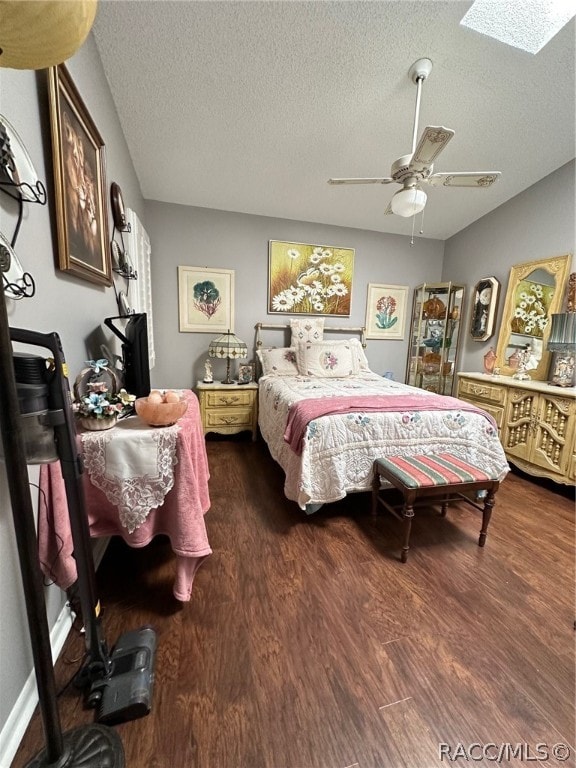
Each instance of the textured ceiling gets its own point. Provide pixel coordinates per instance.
(252, 106)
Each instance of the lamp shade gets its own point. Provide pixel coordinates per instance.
(37, 34)
(229, 347)
(408, 202)
(562, 332)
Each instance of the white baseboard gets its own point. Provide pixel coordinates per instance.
(21, 714)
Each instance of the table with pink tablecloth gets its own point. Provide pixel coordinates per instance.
(124, 496)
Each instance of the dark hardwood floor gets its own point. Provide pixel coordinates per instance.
(307, 644)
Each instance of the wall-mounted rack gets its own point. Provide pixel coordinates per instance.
(19, 181)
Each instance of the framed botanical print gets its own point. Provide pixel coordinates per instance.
(205, 300)
(386, 311)
(484, 306)
(80, 183)
(308, 279)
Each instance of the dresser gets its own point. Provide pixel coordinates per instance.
(536, 422)
(228, 408)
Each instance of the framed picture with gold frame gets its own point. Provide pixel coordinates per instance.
(305, 279)
(80, 183)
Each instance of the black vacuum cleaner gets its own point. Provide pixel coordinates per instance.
(37, 424)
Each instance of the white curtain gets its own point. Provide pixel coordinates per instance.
(138, 254)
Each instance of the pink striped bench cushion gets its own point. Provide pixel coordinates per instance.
(428, 471)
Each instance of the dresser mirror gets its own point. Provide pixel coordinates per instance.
(535, 292)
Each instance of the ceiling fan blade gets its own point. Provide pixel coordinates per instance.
(385, 180)
(464, 179)
(432, 142)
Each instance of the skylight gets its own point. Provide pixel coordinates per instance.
(525, 24)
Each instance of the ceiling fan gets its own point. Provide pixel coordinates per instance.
(415, 169)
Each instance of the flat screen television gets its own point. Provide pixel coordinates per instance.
(135, 359)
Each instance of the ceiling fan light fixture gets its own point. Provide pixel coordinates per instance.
(408, 202)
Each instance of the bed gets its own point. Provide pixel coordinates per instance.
(325, 430)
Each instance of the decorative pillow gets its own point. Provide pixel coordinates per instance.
(280, 361)
(306, 329)
(360, 355)
(326, 359)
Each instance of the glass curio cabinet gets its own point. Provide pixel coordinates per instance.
(435, 336)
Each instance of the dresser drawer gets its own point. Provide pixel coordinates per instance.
(479, 391)
(225, 417)
(235, 399)
(496, 413)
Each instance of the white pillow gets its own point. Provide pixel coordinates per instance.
(280, 361)
(360, 355)
(326, 359)
(306, 329)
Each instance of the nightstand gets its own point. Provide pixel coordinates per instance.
(228, 408)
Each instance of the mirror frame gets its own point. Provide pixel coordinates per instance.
(559, 268)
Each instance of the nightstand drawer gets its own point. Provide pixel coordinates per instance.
(235, 399)
(224, 417)
(478, 390)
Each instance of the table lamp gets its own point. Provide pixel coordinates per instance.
(562, 341)
(230, 347)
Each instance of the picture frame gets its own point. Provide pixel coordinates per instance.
(246, 373)
(483, 308)
(78, 155)
(306, 279)
(205, 300)
(386, 311)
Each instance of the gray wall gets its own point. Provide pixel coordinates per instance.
(535, 224)
(72, 307)
(539, 222)
(200, 237)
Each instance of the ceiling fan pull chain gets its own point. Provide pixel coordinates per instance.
(413, 223)
(422, 222)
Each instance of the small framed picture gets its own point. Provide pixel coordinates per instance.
(246, 373)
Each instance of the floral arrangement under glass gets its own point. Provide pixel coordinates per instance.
(97, 407)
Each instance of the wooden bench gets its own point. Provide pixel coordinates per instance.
(420, 478)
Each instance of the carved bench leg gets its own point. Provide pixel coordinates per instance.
(407, 515)
(486, 515)
(375, 491)
(444, 507)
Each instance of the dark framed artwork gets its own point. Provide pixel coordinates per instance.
(80, 183)
(484, 306)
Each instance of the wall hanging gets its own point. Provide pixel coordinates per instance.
(386, 311)
(79, 178)
(309, 279)
(206, 299)
(484, 306)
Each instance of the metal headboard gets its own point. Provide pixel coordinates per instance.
(360, 329)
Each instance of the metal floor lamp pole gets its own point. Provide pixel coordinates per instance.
(88, 746)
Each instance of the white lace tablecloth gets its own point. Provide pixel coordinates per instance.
(133, 465)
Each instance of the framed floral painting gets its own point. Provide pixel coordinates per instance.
(386, 311)
(205, 300)
(308, 279)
